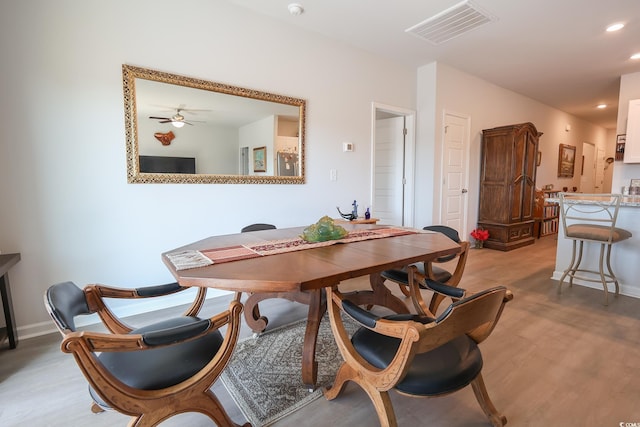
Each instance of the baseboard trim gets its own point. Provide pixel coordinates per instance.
(630, 291)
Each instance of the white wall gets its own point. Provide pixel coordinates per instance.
(489, 106)
(629, 89)
(66, 205)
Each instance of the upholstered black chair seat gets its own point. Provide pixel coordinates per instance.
(449, 367)
(164, 366)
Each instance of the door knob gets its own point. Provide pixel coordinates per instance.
(464, 190)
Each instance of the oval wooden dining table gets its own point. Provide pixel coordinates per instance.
(309, 271)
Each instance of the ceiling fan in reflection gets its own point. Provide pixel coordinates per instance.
(177, 120)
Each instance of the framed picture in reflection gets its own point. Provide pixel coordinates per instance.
(259, 159)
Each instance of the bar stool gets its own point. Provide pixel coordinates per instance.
(591, 218)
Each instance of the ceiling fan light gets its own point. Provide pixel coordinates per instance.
(635, 56)
(177, 124)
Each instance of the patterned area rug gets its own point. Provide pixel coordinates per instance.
(264, 374)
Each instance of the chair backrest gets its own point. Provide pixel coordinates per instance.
(258, 227)
(64, 301)
(475, 315)
(450, 233)
(589, 209)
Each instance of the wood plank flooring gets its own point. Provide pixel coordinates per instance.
(553, 360)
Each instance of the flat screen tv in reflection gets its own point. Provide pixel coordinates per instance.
(164, 164)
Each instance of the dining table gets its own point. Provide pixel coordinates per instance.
(279, 263)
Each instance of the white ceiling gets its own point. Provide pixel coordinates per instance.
(554, 51)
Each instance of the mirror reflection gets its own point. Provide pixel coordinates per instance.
(185, 130)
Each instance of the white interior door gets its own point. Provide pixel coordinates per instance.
(392, 165)
(388, 202)
(599, 184)
(588, 168)
(455, 171)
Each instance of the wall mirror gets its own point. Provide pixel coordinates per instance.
(186, 130)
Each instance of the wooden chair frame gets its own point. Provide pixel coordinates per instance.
(477, 317)
(149, 407)
(453, 281)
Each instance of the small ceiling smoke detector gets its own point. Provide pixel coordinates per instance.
(296, 9)
(451, 23)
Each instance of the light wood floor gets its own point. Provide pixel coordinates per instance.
(553, 360)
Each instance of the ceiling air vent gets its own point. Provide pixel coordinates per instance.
(451, 23)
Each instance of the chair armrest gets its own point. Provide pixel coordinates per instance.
(443, 289)
(159, 290)
(105, 291)
(96, 294)
(360, 315)
(89, 341)
(407, 331)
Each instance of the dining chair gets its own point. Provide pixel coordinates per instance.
(152, 372)
(592, 218)
(418, 355)
(448, 276)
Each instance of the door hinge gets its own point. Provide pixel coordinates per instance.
(404, 131)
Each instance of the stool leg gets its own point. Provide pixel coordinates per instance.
(577, 265)
(602, 276)
(613, 276)
(569, 268)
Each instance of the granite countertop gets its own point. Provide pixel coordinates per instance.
(627, 201)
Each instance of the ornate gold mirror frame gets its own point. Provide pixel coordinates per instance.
(201, 104)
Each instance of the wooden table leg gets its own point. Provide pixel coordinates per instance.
(256, 322)
(317, 308)
(378, 295)
(7, 306)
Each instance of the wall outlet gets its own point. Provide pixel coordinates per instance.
(347, 146)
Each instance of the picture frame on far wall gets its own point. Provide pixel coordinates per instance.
(634, 187)
(260, 159)
(620, 143)
(566, 161)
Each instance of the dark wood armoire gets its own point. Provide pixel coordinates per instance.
(508, 184)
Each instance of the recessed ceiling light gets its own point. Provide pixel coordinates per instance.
(615, 27)
(635, 56)
(601, 106)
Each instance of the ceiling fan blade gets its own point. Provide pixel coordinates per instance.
(159, 118)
